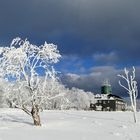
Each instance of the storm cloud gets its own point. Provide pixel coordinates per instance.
(80, 27)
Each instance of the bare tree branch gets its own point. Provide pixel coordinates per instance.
(132, 88)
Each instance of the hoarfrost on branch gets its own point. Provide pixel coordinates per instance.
(131, 88)
(25, 65)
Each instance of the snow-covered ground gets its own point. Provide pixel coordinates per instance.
(69, 125)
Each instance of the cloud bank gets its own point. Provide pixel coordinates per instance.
(94, 80)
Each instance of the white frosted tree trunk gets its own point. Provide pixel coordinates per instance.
(131, 89)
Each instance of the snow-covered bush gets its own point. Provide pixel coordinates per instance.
(57, 94)
(79, 99)
(73, 98)
(3, 89)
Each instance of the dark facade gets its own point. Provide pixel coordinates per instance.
(112, 103)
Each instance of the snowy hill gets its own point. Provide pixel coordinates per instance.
(69, 125)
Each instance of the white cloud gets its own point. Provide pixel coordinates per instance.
(107, 58)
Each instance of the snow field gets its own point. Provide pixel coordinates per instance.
(69, 125)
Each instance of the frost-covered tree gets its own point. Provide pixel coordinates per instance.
(22, 63)
(79, 99)
(55, 93)
(3, 89)
(1, 93)
(131, 88)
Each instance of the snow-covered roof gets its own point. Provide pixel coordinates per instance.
(106, 96)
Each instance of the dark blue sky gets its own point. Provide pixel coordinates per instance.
(97, 38)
